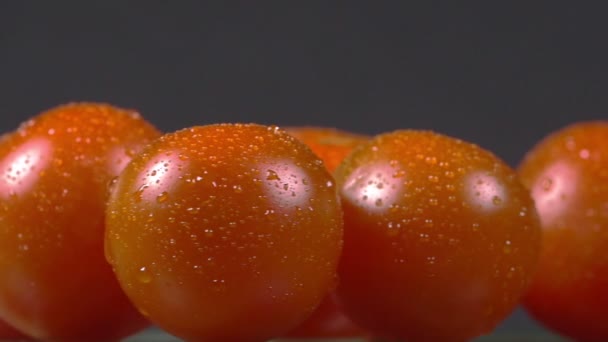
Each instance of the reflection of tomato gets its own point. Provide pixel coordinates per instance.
(568, 176)
(331, 145)
(440, 238)
(54, 172)
(225, 232)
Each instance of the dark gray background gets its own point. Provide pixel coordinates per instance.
(500, 75)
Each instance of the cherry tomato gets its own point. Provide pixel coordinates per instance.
(225, 232)
(567, 174)
(55, 170)
(332, 146)
(440, 237)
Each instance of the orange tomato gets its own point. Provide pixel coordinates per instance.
(440, 237)
(54, 173)
(225, 232)
(330, 144)
(567, 173)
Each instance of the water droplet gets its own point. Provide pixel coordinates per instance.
(272, 175)
(399, 174)
(193, 210)
(237, 188)
(510, 273)
(430, 160)
(433, 201)
(547, 184)
(496, 200)
(507, 247)
(144, 276)
(584, 153)
(162, 197)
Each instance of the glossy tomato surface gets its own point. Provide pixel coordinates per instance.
(332, 146)
(225, 232)
(54, 174)
(567, 174)
(440, 237)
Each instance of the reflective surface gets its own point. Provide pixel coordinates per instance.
(332, 146)
(54, 173)
(567, 174)
(440, 237)
(225, 232)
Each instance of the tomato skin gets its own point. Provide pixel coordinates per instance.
(332, 146)
(440, 237)
(225, 232)
(55, 171)
(567, 173)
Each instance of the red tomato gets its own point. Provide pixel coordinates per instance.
(332, 146)
(54, 172)
(440, 237)
(567, 173)
(225, 232)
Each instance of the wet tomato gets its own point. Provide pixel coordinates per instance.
(225, 232)
(440, 237)
(332, 146)
(54, 175)
(567, 174)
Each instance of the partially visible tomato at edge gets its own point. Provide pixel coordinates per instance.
(54, 176)
(567, 173)
(332, 145)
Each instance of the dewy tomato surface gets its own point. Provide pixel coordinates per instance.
(567, 173)
(440, 237)
(54, 174)
(225, 232)
(332, 146)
